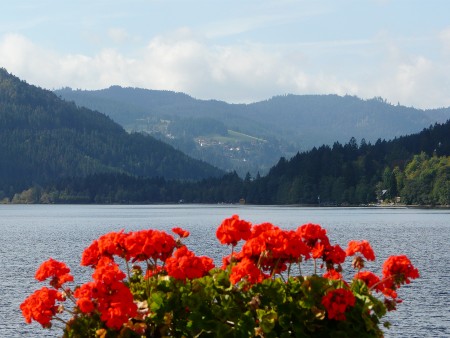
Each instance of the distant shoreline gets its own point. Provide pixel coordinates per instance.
(368, 206)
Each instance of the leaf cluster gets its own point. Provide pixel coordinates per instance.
(211, 307)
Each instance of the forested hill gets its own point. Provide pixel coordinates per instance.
(415, 168)
(43, 138)
(276, 127)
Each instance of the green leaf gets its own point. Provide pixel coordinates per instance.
(156, 301)
(267, 319)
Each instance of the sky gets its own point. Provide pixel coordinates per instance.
(238, 51)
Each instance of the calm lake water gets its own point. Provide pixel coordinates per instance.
(31, 234)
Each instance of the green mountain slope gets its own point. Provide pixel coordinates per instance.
(413, 168)
(283, 124)
(43, 138)
(352, 174)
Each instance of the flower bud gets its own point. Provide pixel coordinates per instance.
(358, 262)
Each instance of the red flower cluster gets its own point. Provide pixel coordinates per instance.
(365, 250)
(316, 239)
(184, 264)
(271, 249)
(40, 306)
(149, 244)
(58, 271)
(336, 303)
(370, 279)
(232, 230)
(313, 234)
(246, 269)
(362, 247)
(138, 246)
(107, 294)
(398, 270)
(108, 245)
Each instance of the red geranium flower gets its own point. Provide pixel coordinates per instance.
(117, 306)
(318, 250)
(332, 274)
(312, 234)
(398, 270)
(232, 230)
(153, 271)
(112, 243)
(113, 300)
(184, 264)
(145, 244)
(85, 295)
(91, 255)
(390, 293)
(370, 279)
(180, 232)
(40, 306)
(107, 271)
(295, 247)
(140, 246)
(164, 245)
(58, 271)
(336, 303)
(263, 227)
(334, 254)
(253, 247)
(246, 269)
(362, 247)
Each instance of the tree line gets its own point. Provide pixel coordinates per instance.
(413, 169)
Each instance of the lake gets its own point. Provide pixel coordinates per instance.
(30, 234)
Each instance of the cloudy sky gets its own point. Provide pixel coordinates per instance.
(234, 50)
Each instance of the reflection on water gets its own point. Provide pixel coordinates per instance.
(32, 234)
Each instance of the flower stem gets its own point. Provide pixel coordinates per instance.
(128, 270)
(381, 282)
(60, 319)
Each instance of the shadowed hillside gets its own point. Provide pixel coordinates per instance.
(43, 138)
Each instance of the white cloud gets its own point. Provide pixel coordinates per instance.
(19, 54)
(241, 72)
(418, 78)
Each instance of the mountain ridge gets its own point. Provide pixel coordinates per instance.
(289, 123)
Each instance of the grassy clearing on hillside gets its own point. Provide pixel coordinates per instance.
(235, 137)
